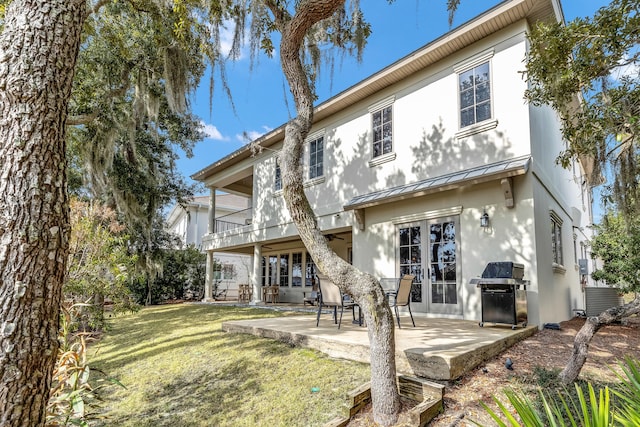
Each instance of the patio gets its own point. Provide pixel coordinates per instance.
(437, 349)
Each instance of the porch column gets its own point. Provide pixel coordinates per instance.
(256, 274)
(208, 281)
(211, 226)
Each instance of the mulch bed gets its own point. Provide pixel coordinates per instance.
(548, 349)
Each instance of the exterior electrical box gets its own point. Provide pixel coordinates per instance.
(584, 266)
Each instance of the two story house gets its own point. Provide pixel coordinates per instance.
(434, 166)
(190, 223)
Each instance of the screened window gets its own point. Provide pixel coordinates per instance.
(382, 126)
(475, 95)
(556, 239)
(316, 157)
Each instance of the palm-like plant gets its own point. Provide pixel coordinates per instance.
(596, 410)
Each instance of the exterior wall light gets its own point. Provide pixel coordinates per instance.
(484, 219)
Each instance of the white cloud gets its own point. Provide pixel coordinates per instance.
(226, 40)
(252, 135)
(212, 132)
(630, 70)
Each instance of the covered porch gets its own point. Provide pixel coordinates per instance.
(436, 349)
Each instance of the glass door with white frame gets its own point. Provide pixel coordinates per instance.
(437, 291)
(410, 256)
(444, 267)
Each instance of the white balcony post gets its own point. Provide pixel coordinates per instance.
(257, 274)
(208, 281)
(211, 226)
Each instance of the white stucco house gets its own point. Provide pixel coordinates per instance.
(190, 224)
(401, 167)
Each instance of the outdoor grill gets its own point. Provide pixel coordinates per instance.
(503, 294)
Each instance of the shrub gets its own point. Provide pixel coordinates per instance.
(596, 409)
(72, 397)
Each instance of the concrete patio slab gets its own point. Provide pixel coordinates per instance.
(438, 349)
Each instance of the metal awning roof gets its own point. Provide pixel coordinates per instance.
(493, 171)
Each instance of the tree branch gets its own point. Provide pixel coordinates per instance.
(583, 338)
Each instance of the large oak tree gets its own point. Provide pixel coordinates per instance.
(38, 50)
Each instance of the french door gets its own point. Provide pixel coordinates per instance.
(430, 250)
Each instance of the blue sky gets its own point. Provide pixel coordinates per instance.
(259, 94)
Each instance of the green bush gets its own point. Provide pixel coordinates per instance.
(183, 276)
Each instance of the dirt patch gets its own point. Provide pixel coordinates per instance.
(548, 349)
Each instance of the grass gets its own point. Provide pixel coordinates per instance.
(180, 369)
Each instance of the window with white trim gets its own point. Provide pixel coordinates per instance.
(296, 269)
(475, 95)
(228, 271)
(316, 157)
(277, 183)
(284, 270)
(382, 129)
(556, 239)
(310, 271)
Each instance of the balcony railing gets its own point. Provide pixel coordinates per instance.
(224, 225)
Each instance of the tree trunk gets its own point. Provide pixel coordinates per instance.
(583, 338)
(366, 291)
(38, 50)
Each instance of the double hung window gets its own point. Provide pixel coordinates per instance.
(316, 157)
(277, 184)
(475, 95)
(556, 239)
(382, 127)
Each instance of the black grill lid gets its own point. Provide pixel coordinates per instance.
(503, 270)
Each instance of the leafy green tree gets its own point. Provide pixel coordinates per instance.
(617, 245)
(100, 265)
(150, 245)
(182, 277)
(587, 71)
(129, 111)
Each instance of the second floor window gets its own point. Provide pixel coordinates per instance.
(382, 127)
(475, 95)
(277, 184)
(556, 239)
(316, 157)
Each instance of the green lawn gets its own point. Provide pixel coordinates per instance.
(180, 369)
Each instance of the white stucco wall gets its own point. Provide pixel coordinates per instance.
(561, 191)
(422, 103)
(509, 238)
(427, 143)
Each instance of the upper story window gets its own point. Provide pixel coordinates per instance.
(475, 95)
(316, 157)
(382, 127)
(556, 239)
(277, 183)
